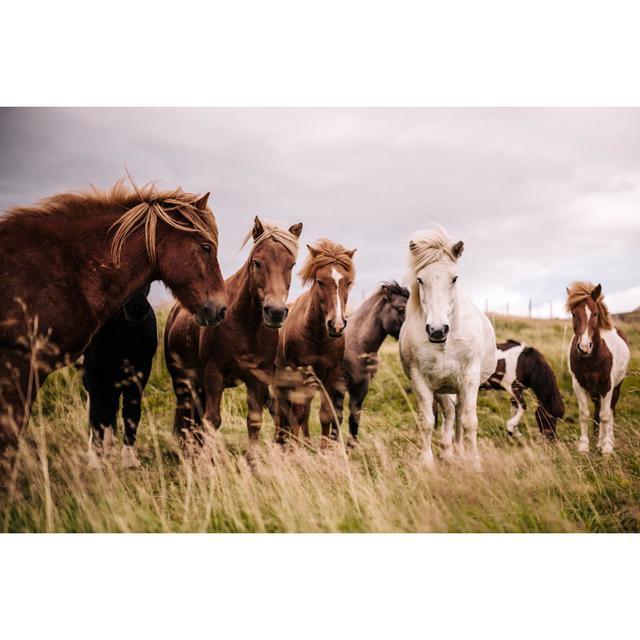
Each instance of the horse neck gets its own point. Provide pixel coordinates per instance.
(313, 321)
(368, 331)
(243, 302)
(108, 287)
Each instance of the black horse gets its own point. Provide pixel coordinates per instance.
(117, 364)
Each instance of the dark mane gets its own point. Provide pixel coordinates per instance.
(534, 372)
(395, 288)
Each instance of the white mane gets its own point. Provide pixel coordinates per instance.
(429, 246)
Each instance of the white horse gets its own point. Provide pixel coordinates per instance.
(447, 345)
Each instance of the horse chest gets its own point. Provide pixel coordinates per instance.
(593, 373)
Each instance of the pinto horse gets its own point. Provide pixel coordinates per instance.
(70, 262)
(312, 339)
(598, 360)
(379, 316)
(205, 361)
(117, 364)
(521, 367)
(447, 346)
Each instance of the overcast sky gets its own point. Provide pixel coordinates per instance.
(540, 197)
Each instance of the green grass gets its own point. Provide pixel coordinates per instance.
(533, 486)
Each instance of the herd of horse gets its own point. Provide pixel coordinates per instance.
(75, 271)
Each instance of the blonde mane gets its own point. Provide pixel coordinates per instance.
(578, 292)
(324, 253)
(143, 206)
(275, 232)
(429, 246)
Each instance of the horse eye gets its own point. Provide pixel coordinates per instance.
(206, 247)
(320, 283)
(256, 264)
(454, 279)
(419, 280)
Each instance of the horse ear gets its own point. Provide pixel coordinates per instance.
(201, 202)
(312, 250)
(413, 246)
(595, 294)
(351, 253)
(258, 229)
(567, 290)
(457, 249)
(385, 292)
(296, 229)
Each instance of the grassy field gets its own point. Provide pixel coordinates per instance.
(532, 486)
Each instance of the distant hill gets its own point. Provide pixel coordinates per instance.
(630, 316)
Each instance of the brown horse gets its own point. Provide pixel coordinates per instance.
(312, 336)
(70, 262)
(598, 360)
(379, 316)
(205, 361)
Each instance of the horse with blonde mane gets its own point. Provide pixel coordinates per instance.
(203, 362)
(71, 261)
(598, 360)
(447, 346)
(312, 341)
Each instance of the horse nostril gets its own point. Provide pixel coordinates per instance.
(445, 329)
(222, 313)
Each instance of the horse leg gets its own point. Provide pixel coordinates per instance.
(448, 421)
(583, 409)
(517, 409)
(606, 424)
(17, 393)
(213, 388)
(257, 393)
(131, 414)
(467, 415)
(357, 394)
(597, 404)
(103, 412)
(330, 415)
(426, 417)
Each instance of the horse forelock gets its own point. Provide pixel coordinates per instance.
(430, 246)
(274, 231)
(395, 288)
(327, 253)
(579, 292)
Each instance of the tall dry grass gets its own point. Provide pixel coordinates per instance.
(534, 486)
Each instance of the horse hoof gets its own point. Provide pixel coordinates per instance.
(130, 458)
(447, 454)
(583, 447)
(427, 460)
(93, 460)
(607, 450)
(352, 443)
(108, 442)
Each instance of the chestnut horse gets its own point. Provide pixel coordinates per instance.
(379, 316)
(204, 361)
(598, 360)
(70, 262)
(313, 336)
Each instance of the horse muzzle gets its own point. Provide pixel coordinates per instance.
(585, 351)
(274, 317)
(211, 314)
(336, 331)
(437, 334)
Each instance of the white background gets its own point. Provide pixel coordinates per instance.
(325, 53)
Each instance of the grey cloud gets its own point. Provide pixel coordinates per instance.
(540, 196)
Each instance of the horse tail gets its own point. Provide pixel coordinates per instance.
(539, 377)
